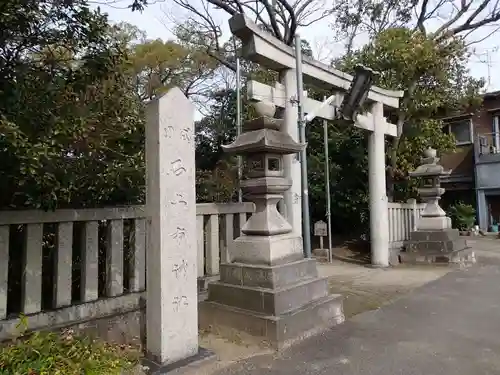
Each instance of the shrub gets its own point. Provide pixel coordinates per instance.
(463, 216)
(49, 353)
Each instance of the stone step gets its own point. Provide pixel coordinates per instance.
(458, 258)
(269, 301)
(267, 276)
(278, 331)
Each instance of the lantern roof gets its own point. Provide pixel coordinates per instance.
(264, 141)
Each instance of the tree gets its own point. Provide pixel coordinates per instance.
(71, 125)
(439, 20)
(281, 18)
(217, 171)
(348, 176)
(161, 65)
(429, 64)
(134, 5)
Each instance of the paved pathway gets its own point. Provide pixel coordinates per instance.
(450, 326)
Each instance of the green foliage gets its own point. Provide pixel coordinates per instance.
(420, 135)
(433, 76)
(71, 124)
(433, 72)
(463, 216)
(217, 171)
(219, 184)
(49, 353)
(348, 176)
(435, 80)
(161, 65)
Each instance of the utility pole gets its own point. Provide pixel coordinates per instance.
(238, 121)
(327, 188)
(306, 226)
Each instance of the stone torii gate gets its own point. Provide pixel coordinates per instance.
(262, 48)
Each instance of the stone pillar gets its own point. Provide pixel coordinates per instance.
(379, 220)
(172, 303)
(291, 164)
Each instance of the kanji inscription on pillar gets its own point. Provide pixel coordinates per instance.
(172, 321)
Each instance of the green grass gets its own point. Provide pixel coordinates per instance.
(49, 353)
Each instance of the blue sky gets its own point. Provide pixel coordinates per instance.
(156, 21)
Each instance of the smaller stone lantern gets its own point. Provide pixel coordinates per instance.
(434, 241)
(431, 172)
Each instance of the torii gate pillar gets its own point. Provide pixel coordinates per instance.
(379, 216)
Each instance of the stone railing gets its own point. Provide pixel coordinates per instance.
(69, 266)
(403, 218)
(221, 224)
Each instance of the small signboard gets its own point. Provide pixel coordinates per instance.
(320, 229)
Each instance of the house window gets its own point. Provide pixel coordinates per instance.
(462, 130)
(496, 131)
(489, 143)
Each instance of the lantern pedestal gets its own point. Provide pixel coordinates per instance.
(278, 304)
(268, 289)
(434, 223)
(435, 241)
(444, 246)
(269, 250)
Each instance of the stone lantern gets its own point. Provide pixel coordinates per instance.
(267, 288)
(431, 172)
(434, 241)
(262, 146)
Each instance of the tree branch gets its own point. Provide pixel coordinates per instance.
(422, 16)
(222, 5)
(470, 25)
(465, 7)
(293, 22)
(272, 19)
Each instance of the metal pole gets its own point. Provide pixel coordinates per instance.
(238, 120)
(306, 230)
(327, 183)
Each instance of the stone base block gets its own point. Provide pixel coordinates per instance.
(263, 276)
(278, 304)
(269, 301)
(434, 223)
(321, 254)
(445, 247)
(394, 256)
(436, 247)
(435, 235)
(277, 331)
(435, 242)
(154, 368)
(459, 258)
(267, 250)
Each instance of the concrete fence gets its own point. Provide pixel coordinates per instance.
(403, 218)
(69, 266)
